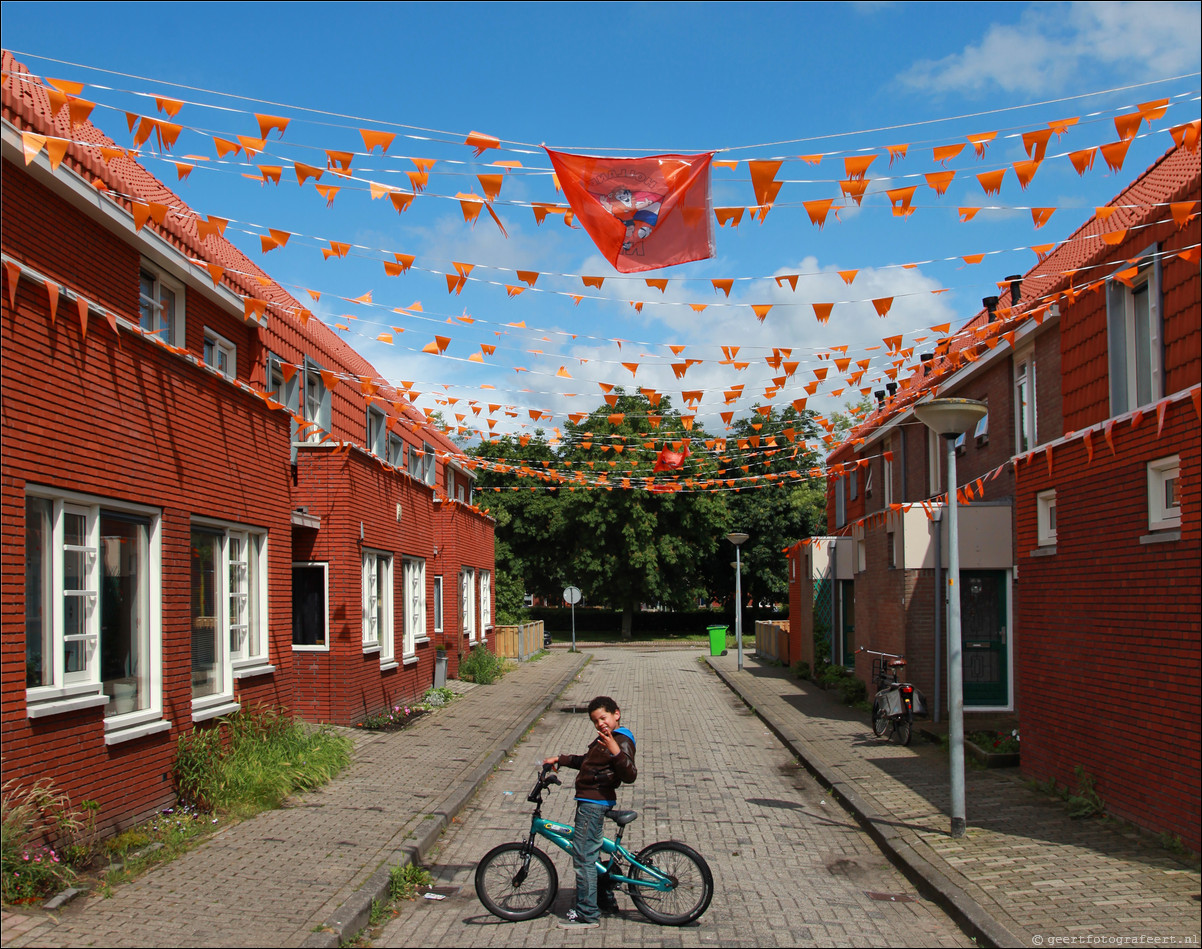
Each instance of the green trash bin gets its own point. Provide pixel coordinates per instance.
(717, 639)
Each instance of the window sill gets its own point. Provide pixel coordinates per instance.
(1161, 537)
(204, 713)
(44, 709)
(371, 649)
(388, 666)
(420, 640)
(258, 669)
(322, 648)
(130, 732)
(410, 660)
(1047, 550)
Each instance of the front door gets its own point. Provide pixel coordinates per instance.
(983, 627)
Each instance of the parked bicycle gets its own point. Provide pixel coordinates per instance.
(669, 882)
(896, 702)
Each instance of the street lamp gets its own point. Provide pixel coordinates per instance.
(951, 418)
(738, 539)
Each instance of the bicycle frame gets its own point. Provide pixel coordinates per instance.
(562, 834)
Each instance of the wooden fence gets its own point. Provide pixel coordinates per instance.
(772, 640)
(520, 642)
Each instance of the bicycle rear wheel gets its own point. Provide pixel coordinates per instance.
(692, 884)
(903, 726)
(516, 882)
(880, 719)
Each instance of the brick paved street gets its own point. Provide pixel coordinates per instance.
(791, 867)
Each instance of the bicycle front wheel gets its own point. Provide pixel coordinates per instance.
(516, 882)
(692, 884)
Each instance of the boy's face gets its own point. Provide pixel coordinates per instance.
(605, 721)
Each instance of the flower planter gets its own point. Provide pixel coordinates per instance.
(991, 759)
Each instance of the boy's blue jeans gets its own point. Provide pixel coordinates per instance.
(586, 847)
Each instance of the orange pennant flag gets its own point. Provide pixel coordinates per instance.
(1114, 238)
(13, 270)
(216, 272)
(51, 292)
(973, 258)
(528, 277)
(728, 216)
(490, 185)
(1127, 125)
(1041, 216)
(818, 210)
(1083, 160)
(1025, 171)
(848, 276)
(400, 200)
(761, 310)
(854, 189)
(896, 151)
(763, 174)
(83, 307)
(1187, 134)
(372, 138)
(1182, 212)
(31, 145)
(991, 181)
(481, 142)
(980, 141)
(900, 198)
(940, 180)
(658, 283)
(882, 305)
(305, 172)
(592, 281)
(791, 278)
(725, 163)
(857, 166)
(967, 214)
(1115, 153)
(948, 152)
(329, 192)
(269, 122)
(1036, 143)
(724, 284)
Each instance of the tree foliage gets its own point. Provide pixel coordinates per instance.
(592, 511)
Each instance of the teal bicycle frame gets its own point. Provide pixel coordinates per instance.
(561, 835)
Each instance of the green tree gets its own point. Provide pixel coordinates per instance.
(637, 536)
(779, 511)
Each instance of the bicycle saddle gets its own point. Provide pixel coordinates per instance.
(622, 818)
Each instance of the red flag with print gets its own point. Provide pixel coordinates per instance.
(642, 213)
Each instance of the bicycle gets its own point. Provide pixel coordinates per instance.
(896, 703)
(669, 882)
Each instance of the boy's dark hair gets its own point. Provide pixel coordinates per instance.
(603, 701)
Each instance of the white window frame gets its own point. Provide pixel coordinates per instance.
(83, 689)
(232, 594)
(429, 459)
(887, 476)
(1123, 321)
(1045, 518)
(161, 303)
(219, 350)
(438, 620)
(415, 606)
(396, 450)
(1163, 515)
(285, 391)
(467, 602)
(377, 603)
(315, 402)
(1026, 435)
(324, 645)
(485, 600)
(377, 432)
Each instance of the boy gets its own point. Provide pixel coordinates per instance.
(608, 762)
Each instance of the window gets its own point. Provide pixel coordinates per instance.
(1133, 318)
(92, 609)
(868, 482)
(417, 463)
(1025, 436)
(1045, 518)
(415, 604)
(377, 604)
(317, 403)
(377, 432)
(396, 451)
(220, 354)
(459, 485)
(229, 609)
(981, 432)
(428, 474)
(467, 602)
(891, 542)
(853, 485)
(161, 301)
(1164, 503)
(887, 477)
(310, 615)
(438, 604)
(485, 599)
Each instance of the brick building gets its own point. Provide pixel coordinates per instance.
(209, 500)
(1079, 532)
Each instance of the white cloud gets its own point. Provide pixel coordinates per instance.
(1053, 44)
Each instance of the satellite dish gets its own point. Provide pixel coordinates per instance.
(571, 595)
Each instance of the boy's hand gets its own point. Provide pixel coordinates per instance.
(607, 737)
(553, 761)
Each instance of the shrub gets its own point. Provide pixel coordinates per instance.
(30, 817)
(481, 666)
(255, 758)
(853, 690)
(801, 669)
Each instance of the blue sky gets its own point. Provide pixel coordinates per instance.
(752, 81)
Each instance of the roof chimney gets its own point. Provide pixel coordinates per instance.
(880, 396)
(892, 387)
(990, 303)
(926, 362)
(1016, 288)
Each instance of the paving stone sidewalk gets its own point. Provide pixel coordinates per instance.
(1025, 875)
(306, 874)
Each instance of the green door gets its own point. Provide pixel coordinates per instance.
(983, 629)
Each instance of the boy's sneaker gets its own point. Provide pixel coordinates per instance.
(574, 920)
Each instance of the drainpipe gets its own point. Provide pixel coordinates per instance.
(937, 520)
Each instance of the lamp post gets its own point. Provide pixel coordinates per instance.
(738, 539)
(951, 418)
